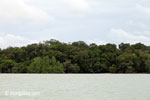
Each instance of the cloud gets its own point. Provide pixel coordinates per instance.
(63, 7)
(143, 9)
(97, 41)
(139, 24)
(13, 40)
(78, 5)
(18, 10)
(119, 35)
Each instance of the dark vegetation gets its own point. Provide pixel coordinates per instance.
(77, 57)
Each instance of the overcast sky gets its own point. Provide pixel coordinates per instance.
(100, 21)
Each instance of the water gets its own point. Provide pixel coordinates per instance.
(75, 87)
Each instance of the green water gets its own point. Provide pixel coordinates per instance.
(75, 87)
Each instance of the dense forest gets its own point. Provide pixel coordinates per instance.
(54, 56)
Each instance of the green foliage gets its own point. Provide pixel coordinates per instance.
(54, 56)
(20, 68)
(71, 68)
(112, 69)
(6, 66)
(45, 65)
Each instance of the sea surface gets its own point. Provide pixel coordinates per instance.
(74, 87)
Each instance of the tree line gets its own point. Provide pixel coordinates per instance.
(53, 56)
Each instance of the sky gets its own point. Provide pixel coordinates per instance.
(24, 22)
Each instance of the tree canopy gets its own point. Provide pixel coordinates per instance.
(53, 56)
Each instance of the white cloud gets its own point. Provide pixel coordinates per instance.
(97, 41)
(78, 5)
(18, 10)
(63, 7)
(143, 9)
(13, 40)
(139, 24)
(119, 35)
